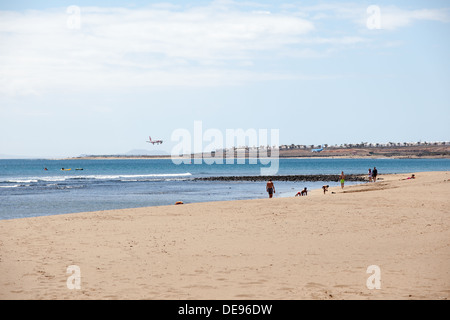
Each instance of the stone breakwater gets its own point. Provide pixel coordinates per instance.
(311, 177)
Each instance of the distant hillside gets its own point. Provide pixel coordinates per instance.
(143, 152)
(132, 154)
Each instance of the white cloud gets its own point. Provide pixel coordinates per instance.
(137, 47)
(393, 18)
(165, 44)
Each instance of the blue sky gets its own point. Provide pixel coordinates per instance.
(99, 77)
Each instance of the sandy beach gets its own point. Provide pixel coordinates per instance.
(314, 247)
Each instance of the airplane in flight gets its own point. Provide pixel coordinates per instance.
(155, 141)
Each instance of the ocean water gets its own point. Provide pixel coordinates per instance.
(27, 189)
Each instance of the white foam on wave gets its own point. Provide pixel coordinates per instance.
(22, 181)
(136, 177)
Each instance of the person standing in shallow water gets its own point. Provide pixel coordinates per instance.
(342, 179)
(270, 188)
(374, 174)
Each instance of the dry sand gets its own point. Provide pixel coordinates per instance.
(314, 247)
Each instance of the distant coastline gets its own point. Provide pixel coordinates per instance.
(354, 152)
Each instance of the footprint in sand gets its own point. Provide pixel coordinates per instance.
(314, 285)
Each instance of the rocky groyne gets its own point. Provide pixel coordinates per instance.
(309, 177)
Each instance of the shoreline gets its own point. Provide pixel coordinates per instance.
(377, 157)
(427, 151)
(280, 157)
(313, 247)
(357, 179)
(386, 177)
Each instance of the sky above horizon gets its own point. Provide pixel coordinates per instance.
(99, 77)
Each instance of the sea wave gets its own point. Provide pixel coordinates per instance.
(118, 177)
(21, 181)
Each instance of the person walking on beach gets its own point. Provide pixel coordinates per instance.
(342, 178)
(374, 174)
(270, 188)
(370, 175)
